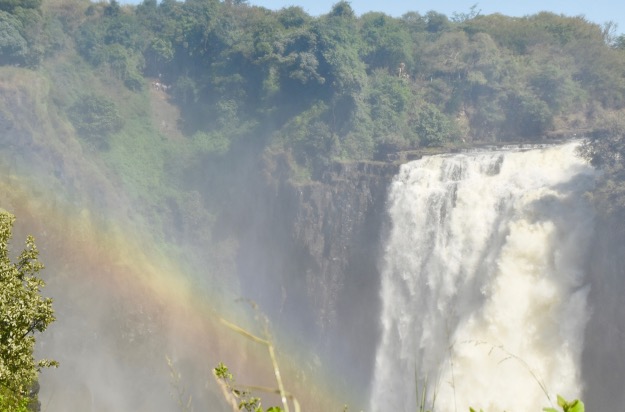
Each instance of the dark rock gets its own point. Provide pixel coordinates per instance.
(603, 364)
(310, 258)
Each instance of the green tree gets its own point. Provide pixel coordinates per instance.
(387, 42)
(10, 5)
(23, 311)
(619, 42)
(13, 46)
(436, 22)
(527, 116)
(555, 86)
(339, 45)
(432, 126)
(605, 149)
(95, 118)
(293, 16)
(345, 73)
(388, 98)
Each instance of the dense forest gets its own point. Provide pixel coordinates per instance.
(183, 103)
(337, 87)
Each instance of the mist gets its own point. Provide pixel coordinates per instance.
(186, 163)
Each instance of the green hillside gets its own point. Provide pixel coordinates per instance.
(161, 116)
(158, 94)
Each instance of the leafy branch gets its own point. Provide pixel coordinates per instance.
(226, 380)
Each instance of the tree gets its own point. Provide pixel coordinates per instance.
(23, 311)
(388, 98)
(436, 22)
(605, 149)
(527, 116)
(432, 126)
(619, 42)
(13, 46)
(457, 17)
(340, 64)
(387, 42)
(95, 118)
(10, 5)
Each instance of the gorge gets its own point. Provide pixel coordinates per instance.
(183, 164)
(354, 262)
(493, 269)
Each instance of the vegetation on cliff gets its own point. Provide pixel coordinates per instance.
(605, 149)
(198, 86)
(165, 112)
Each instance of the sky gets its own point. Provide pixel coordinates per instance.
(597, 11)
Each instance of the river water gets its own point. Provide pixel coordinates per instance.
(484, 290)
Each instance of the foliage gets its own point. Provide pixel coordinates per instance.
(497, 77)
(432, 126)
(13, 46)
(386, 41)
(248, 80)
(116, 41)
(95, 118)
(27, 34)
(185, 401)
(9, 403)
(11, 5)
(529, 115)
(245, 400)
(573, 406)
(241, 398)
(422, 399)
(605, 149)
(388, 98)
(383, 81)
(330, 87)
(23, 312)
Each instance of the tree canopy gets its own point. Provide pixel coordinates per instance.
(333, 87)
(23, 312)
(491, 77)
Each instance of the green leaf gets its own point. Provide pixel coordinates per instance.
(274, 409)
(576, 406)
(23, 312)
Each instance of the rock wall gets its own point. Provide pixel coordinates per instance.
(603, 366)
(310, 258)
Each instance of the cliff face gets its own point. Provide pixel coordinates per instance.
(315, 246)
(603, 366)
(36, 141)
(309, 257)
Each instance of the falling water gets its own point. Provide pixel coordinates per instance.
(483, 281)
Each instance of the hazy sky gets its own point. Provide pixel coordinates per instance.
(598, 11)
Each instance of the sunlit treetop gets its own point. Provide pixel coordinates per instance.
(23, 312)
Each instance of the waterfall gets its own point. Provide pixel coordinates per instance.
(483, 281)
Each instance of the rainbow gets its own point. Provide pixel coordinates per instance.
(124, 305)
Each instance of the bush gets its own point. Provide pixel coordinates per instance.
(432, 126)
(23, 312)
(13, 46)
(95, 118)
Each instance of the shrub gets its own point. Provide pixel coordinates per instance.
(95, 118)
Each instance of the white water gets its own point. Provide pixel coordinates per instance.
(483, 289)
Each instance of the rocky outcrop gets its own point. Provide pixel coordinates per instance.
(310, 258)
(603, 364)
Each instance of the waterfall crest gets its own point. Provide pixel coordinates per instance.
(483, 281)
